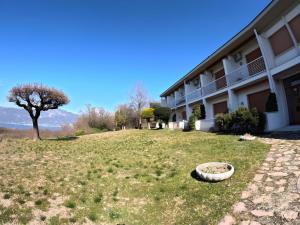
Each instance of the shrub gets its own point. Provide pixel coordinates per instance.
(198, 113)
(79, 132)
(241, 121)
(271, 105)
(191, 123)
(162, 114)
(95, 118)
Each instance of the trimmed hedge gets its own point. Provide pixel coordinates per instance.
(241, 121)
(271, 105)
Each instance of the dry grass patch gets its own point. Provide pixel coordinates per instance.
(126, 177)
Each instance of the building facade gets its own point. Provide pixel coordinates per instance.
(261, 59)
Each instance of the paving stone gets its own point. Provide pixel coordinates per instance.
(268, 189)
(269, 179)
(278, 174)
(227, 220)
(262, 213)
(277, 168)
(239, 207)
(262, 199)
(289, 215)
(258, 177)
(281, 182)
(280, 190)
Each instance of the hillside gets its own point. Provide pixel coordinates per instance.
(19, 118)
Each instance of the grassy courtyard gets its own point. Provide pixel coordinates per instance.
(126, 177)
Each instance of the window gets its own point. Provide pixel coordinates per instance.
(258, 100)
(281, 41)
(220, 107)
(295, 27)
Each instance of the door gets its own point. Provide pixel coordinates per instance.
(183, 115)
(258, 100)
(220, 107)
(220, 79)
(292, 90)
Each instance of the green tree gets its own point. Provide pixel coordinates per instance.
(162, 114)
(148, 114)
(198, 113)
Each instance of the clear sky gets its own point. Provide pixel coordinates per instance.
(96, 50)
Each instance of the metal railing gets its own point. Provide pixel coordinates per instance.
(215, 86)
(180, 100)
(171, 103)
(243, 73)
(247, 71)
(194, 95)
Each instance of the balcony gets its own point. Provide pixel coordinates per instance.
(247, 71)
(243, 73)
(194, 95)
(180, 100)
(171, 103)
(215, 86)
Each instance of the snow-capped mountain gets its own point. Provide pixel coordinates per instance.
(19, 118)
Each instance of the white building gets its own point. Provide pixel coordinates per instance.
(264, 57)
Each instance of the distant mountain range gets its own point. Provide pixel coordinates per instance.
(19, 118)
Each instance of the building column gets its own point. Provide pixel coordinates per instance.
(267, 59)
(187, 107)
(233, 103)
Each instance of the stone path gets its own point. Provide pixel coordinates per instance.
(273, 197)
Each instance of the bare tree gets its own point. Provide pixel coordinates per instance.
(124, 117)
(95, 117)
(35, 98)
(138, 100)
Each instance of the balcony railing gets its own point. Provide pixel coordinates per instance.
(243, 73)
(194, 95)
(247, 71)
(215, 86)
(180, 100)
(169, 103)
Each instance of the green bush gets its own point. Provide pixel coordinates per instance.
(241, 121)
(79, 132)
(198, 113)
(191, 123)
(271, 105)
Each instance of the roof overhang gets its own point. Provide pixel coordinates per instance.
(267, 16)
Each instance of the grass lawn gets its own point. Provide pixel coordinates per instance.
(126, 177)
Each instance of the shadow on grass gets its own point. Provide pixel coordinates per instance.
(68, 138)
(195, 176)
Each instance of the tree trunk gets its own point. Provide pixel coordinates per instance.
(36, 132)
(140, 122)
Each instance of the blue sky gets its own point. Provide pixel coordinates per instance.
(96, 50)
